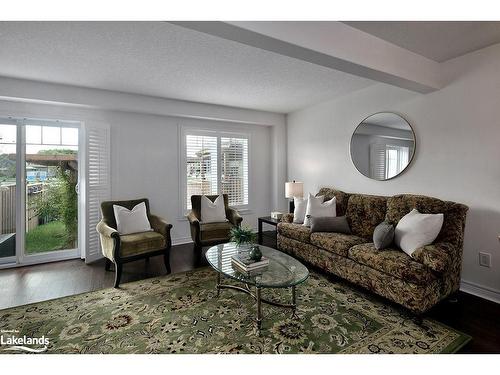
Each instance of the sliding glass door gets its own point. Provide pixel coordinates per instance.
(44, 163)
(8, 192)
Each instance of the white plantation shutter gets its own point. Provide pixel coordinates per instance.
(377, 161)
(201, 166)
(234, 170)
(98, 185)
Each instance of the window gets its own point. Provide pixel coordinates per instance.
(387, 161)
(216, 163)
(234, 170)
(201, 166)
(396, 160)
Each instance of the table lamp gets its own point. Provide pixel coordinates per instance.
(293, 189)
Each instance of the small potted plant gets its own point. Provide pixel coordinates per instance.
(243, 237)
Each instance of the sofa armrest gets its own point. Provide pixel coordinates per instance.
(109, 239)
(438, 256)
(234, 217)
(161, 226)
(287, 218)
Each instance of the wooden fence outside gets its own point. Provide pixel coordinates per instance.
(8, 208)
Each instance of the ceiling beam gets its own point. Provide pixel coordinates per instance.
(333, 45)
(27, 91)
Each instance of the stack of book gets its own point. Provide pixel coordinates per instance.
(244, 264)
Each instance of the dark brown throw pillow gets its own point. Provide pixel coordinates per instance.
(337, 224)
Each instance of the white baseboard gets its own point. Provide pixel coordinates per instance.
(480, 291)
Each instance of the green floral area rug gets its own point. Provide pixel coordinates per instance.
(181, 313)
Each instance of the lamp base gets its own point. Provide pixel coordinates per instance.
(291, 206)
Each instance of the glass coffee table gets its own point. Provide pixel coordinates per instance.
(283, 271)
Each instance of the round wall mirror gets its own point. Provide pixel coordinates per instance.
(382, 146)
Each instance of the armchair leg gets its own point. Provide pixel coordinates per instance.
(107, 267)
(198, 251)
(118, 273)
(166, 260)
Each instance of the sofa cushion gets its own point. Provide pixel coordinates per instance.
(215, 231)
(392, 262)
(140, 243)
(338, 243)
(364, 213)
(296, 231)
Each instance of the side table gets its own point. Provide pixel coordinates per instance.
(267, 220)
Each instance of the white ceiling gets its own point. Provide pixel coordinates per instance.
(165, 60)
(439, 40)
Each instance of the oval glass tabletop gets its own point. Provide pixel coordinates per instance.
(283, 271)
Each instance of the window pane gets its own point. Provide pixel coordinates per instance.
(51, 135)
(7, 192)
(33, 134)
(234, 170)
(69, 136)
(51, 199)
(201, 166)
(8, 134)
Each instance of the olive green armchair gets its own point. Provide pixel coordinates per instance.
(210, 234)
(120, 249)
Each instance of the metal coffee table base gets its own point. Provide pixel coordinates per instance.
(257, 297)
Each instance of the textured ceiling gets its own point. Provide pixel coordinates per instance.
(439, 41)
(165, 60)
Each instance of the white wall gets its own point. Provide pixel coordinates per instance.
(145, 162)
(457, 151)
(144, 147)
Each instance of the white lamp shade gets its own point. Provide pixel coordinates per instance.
(294, 189)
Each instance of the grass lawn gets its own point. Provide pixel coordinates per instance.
(47, 237)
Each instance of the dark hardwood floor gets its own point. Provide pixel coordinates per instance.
(18, 286)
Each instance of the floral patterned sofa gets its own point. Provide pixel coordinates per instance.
(417, 282)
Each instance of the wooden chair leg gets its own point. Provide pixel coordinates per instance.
(107, 267)
(118, 273)
(198, 250)
(166, 260)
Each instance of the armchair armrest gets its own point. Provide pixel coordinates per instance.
(105, 230)
(160, 225)
(287, 218)
(437, 256)
(193, 220)
(233, 216)
(109, 240)
(194, 226)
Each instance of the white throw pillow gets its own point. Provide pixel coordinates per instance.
(299, 212)
(131, 221)
(213, 212)
(317, 208)
(415, 230)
